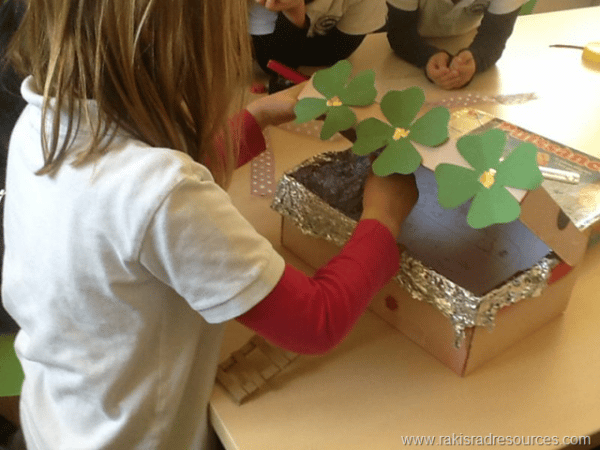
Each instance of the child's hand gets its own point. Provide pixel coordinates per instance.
(464, 63)
(295, 10)
(389, 199)
(437, 68)
(450, 73)
(277, 108)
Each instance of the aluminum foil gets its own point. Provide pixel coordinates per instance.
(463, 308)
(323, 198)
(309, 209)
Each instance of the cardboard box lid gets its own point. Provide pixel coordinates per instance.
(559, 213)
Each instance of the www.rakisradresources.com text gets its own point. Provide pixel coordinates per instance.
(460, 439)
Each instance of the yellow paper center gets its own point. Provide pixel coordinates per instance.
(488, 178)
(400, 133)
(335, 101)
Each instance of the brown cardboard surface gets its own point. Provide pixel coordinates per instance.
(428, 328)
(544, 217)
(423, 324)
(515, 322)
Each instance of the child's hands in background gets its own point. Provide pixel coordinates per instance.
(277, 108)
(450, 72)
(437, 68)
(294, 10)
(389, 199)
(464, 64)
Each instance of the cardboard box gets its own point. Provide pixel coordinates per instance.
(464, 295)
(425, 325)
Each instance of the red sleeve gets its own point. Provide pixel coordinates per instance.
(313, 314)
(247, 133)
(251, 139)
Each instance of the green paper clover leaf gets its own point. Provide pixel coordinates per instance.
(400, 109)
(487, 181)
(339, 96)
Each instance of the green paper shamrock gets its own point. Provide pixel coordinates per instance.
(400, 108)
(488, 179)
(339, 96)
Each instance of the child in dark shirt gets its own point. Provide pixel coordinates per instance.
(311, 32)
(411, 21)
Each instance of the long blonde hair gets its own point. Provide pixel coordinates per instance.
(167, 71)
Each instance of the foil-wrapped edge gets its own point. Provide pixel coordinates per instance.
(309, 212)
(315, 218)
(462, 307)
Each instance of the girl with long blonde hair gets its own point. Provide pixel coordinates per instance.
(124, 255)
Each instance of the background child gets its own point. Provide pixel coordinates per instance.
(134, 256)
(311, 32)
(411, 21)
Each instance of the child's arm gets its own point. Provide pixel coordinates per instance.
(410, 46)
(268, 110)
(313, 314)
(491, 37)
(291, 46)
(249, 137)
(404, 38)
(200, 247)
(484, 51)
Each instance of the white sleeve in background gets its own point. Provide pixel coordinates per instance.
(349, 16)
(363, 16)
(443, 18)
(505, 6)
(261, 21)
(495, 6)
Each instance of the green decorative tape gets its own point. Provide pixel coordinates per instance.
(339, 95)
(486, 182)
(11, 373)
(400, 109)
